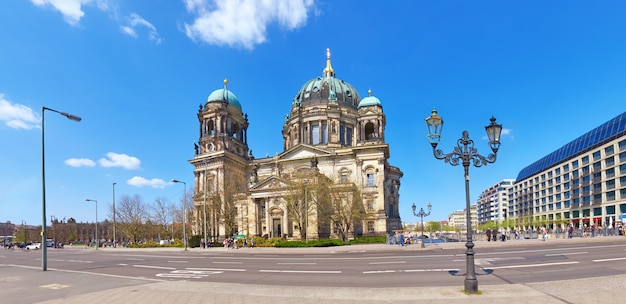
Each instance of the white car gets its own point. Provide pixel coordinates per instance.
(33, 246)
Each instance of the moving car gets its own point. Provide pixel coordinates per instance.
(33, 246)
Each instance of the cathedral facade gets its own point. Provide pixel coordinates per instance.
(332, 179)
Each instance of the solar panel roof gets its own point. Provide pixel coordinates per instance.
(606, 132)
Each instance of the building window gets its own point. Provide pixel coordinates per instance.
(315, 134)
(622, 157)
(609, 161)
(566, 176)
(370, 226)
(557, 171)
(348, 136)
(608, 150)
(610, 173)
(597, 166)
(344, 178)
(324, 133)
(610, 196)
(622, 181)
(622, 193)
(585, 160)
(596, 155)
(597, 198)
(565, 168)
(575, 164)
(622, 145)
(622, 169)
(610, 184)
(370, 179)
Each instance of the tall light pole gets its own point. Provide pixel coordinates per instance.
(44, 248)
(97, 238)
(184, 212)
(114, 236)
(204, 211)
(422, 214)
(306, 210)
(465, 153)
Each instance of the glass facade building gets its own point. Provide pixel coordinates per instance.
(581, 183)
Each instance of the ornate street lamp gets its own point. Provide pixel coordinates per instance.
(465, 154)
(184, 212)
(44, 247)
(422, 214)
(97, 238)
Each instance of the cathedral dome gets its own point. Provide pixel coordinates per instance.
(224, 95)
(369, 101)
(327, 88)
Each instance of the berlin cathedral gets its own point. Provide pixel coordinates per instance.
(332, 180)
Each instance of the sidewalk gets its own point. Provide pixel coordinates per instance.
(589, 290)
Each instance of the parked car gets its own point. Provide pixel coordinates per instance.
(33, 246)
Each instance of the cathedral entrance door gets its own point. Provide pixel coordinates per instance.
(276, 231)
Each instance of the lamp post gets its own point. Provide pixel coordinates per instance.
(206, 240)
(422, 214)
(97, 238)
(184, 212)
(114, 238)
(44, 250)
(465, 153)
(306, 210)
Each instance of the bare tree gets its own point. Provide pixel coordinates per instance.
(132, 214)
(347, 209)
(234, 185)
(161, 216)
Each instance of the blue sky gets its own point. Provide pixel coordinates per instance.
(136, 72)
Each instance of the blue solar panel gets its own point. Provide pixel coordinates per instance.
(606, 132)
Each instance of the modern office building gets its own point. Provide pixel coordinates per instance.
(333, 178)
(581, 183)
(492, 204)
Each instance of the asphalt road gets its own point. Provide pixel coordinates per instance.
(382, 266)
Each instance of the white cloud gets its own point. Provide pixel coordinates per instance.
(120, 160)
(80, 162)
(243, 23)
(134, 22)
(139, 181)
(18, 116)
(71, 9)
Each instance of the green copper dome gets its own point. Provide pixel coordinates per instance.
(327, 89)
(369, 101)
(224, 95)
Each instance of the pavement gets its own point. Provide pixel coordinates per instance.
(608, 289)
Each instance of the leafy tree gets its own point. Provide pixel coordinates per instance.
(347, 209)
(161, 216)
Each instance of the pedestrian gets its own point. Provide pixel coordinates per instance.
(544, 233)
(402, 239)
(494, 234)
(488, 232)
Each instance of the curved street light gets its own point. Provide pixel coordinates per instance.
(465, 153)
(422, 214)
(44, 247)
(184, 212)
(97, 238)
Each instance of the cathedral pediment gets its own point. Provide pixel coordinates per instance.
(303, 152)
(271, 183)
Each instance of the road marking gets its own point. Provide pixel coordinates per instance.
(122, 264)
(177, 261)
(188, 274)
(78, 261)
(296, 263)
(567, 253)
(154, 267)
(531, 265)
(54, 286)
(302, 271)
(379, 263)
(217, 262)
(410, 270)
(215, 269)
(609, 260)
